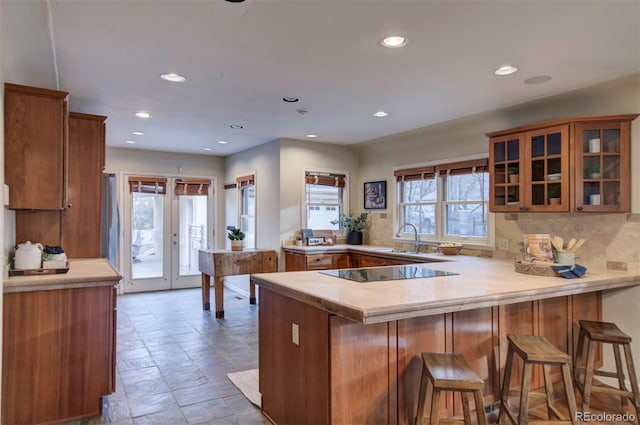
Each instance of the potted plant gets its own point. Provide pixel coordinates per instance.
(593, 172)
(353, 224)
(554, 194)
(513, 174)
(236, 236)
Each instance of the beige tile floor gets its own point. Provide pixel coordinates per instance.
(173, 358)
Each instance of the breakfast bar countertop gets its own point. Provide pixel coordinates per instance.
(480, 282)
(84, 272)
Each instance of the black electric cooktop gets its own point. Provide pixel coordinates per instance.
(377, 274)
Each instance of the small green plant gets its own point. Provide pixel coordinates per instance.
(352, 223)
(236, 234)
(593, 170)
(513, 170)
(554, 191)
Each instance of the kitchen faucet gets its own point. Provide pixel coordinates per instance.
(416, 247)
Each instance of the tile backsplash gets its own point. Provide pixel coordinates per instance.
(610, 238)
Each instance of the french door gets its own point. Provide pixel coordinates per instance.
(167, 221)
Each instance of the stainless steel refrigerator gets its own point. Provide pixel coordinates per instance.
(110, 219)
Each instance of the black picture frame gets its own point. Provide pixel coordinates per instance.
(375, 195)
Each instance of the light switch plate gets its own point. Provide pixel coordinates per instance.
(6, 195)
(295, 334)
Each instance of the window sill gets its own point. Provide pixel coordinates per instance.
(435, 243)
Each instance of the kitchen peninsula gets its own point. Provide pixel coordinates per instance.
(340, 351)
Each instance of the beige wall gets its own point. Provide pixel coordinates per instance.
(295, 158)
(610, 237)
(264, 162)
(122, 160)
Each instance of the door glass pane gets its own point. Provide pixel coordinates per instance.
(554, 144)
(248, 216)
(192, 232)
(146, 235)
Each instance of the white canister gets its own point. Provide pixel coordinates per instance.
(594, 199)
(594, 145)
(28, 256)
(566, 258)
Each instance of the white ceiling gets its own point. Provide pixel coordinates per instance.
(240, 59)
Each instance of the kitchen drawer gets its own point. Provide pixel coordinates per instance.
(319, 262)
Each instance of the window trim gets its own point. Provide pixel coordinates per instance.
(440, 205)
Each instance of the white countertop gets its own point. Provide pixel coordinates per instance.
(481, 282)
(82, 273)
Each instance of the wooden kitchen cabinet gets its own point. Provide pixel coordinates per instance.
(35, 131)
(530, 170)
(577, 164)
(58, 354)
(81, 221)
(363, 260)
(298, 261)
(603, 162)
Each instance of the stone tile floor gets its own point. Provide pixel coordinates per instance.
(173, 359)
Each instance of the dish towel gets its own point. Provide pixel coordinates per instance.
(570, 272)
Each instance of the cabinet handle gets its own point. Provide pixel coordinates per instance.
(579, 208)
(69, 205)
(319, 259)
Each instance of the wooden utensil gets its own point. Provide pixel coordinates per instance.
(578, 245)
(571, 244)
(558, 243)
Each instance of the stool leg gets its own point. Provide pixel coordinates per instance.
(588, 375)
(435, 407)
(477, 396)
(548, 386)
(634, 380)
(465, 407)
(619, 371)
(524, 394)
(424, 381)
(505, 384)
(571, 397)
(577, 367)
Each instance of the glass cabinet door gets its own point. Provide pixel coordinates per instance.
(505, 162)
(548, 176)
(602, 166)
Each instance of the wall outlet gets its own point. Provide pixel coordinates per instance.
(295, 334)
(503, 244)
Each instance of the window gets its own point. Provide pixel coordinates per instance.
(247, 189)
(324, 194)
(446, 201)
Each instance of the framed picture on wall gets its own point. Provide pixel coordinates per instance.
(375, 195)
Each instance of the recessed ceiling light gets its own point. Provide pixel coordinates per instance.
(394, 41)
(207, 149)
(311, 136)
(137, 133)
(290, 99)
(143, 114)
(380, 114)
(538, 79)
(236, 126)
(173, 77)
(505, 70)
(131, 142)
(222, 142)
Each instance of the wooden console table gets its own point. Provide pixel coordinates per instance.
(220, 263)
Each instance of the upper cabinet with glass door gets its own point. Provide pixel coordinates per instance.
(529, 170)
(602, 158)
(579, 164)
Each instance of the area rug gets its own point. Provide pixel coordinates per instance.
(247, 382)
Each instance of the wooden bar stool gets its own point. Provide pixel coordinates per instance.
(536, 350)
(606, 333)
(449, 372)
